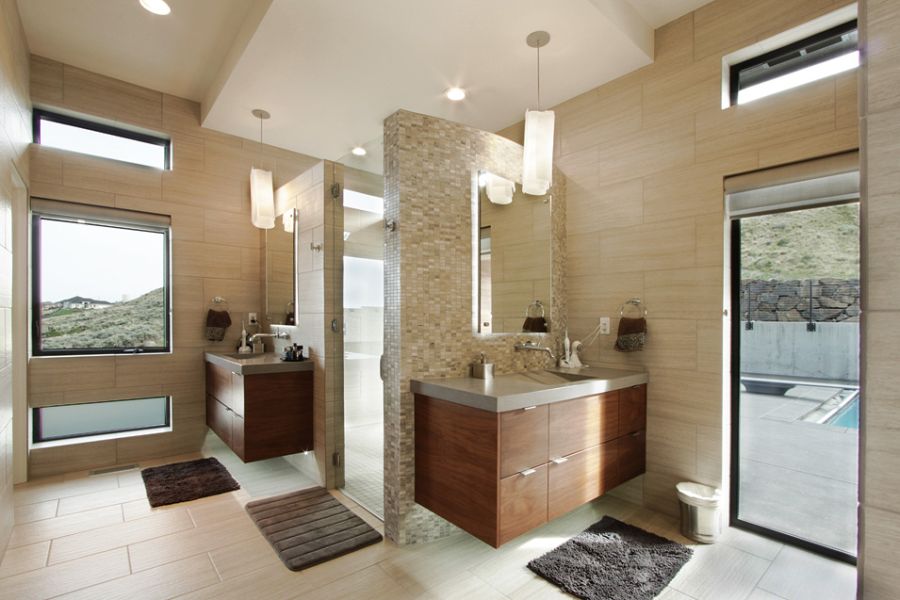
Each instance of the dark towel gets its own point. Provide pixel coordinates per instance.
(217, 321)
(535, 325)
(631, 335)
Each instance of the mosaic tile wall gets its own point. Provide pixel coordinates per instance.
(429, 165)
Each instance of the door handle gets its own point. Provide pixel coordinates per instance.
(527, 472)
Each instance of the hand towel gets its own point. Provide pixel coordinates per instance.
(631, 335)
(217, 321)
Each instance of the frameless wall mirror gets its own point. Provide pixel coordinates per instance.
(280, 268)
(513, 269)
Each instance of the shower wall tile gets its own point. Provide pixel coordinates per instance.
(429, 168)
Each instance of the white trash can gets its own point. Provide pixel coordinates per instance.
(700, 518)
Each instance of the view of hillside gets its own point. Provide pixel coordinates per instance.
(809, 244)
(134, 323)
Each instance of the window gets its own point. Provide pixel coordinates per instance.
(810, 59)
(64, 422)
(98, 139)
(100, 280)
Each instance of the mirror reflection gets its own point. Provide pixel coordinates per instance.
(515, 258)
(280, 270)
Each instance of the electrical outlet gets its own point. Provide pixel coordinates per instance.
(252, 318)
(604, 325)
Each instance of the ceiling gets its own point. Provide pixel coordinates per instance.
(330, 71)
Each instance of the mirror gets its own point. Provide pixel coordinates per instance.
(280, 269)
(514, 266)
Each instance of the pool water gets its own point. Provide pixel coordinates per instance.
(848, 416)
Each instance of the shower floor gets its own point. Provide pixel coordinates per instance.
(364, 466)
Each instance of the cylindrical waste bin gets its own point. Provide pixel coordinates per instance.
(699, 511)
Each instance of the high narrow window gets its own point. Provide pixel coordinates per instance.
(100, 281)
(98, 139)
(810, 59)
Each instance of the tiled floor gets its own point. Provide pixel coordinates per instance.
(364, 466)
(97, 538)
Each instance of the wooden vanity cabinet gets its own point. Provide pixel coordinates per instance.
(261, 415)
(499, 475)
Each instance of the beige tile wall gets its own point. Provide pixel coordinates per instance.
(644, 158)
(15, 134)
(215, 252)
(880, 461)
(429, 168)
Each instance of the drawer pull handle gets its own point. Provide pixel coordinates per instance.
(560, 460)
(528, 472)
(636, 434)
(529, 408)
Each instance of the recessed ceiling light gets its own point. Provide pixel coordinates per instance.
(358, 151)
(456, 94)
(157, 7)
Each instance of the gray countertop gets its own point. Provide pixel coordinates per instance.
(255, 364)
(531, 388)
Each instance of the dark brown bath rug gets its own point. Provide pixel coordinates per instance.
(180, 482)
(309, 527)
(611, 560)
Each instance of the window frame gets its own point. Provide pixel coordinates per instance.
(36, 429)
(734, 71)
(36, 349)
(39, 114)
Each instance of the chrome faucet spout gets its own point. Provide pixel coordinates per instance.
(258, 336)
(533, 347)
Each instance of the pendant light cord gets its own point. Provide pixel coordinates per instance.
(539, 78)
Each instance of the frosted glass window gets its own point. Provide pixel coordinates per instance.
(97, 139)
(100, 418)
(366, 202)
(363, 282)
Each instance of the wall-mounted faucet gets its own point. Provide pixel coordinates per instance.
(533, 347)
(282, 335)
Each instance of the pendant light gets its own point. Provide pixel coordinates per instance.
(262, 195)
(537, 160)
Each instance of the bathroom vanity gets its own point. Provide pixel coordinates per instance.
(500, 457)
(259, 405)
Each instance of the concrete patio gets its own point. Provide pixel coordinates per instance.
(798, 477)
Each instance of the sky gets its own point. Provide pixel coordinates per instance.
(103, 263)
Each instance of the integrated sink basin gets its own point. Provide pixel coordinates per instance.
(254, 364)
(531, 388)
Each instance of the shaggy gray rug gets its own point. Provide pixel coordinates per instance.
(611, 560)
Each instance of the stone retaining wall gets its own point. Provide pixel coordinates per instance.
(833, 300)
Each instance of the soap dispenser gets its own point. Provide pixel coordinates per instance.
(482, 369)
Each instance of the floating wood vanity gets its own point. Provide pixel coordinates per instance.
(259, 406)
(501, 458)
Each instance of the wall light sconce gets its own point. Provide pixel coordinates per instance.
(262, 194)
(537, 159)
(287, 220)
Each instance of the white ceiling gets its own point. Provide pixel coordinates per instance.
(330, 71)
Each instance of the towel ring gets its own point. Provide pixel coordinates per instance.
(635, 302)
(537, 304)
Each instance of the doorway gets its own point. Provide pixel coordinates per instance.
(363, 343)
(795, 368)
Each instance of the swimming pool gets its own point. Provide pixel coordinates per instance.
(848, 416)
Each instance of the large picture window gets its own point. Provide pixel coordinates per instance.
(100, 284)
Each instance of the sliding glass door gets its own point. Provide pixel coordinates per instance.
(795, 388)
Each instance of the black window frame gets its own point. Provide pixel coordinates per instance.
(36, 349)
(39, 114)
(37, 434)
(736, 69)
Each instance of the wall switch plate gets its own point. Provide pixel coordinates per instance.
(252, 318)
(604, 325)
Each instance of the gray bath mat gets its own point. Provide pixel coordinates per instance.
(180, 482)
(309, 527)
(613, 561)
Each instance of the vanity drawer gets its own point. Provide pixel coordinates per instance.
(632, 409)
(583, 423)
(523, 502)
(581, 477)
(523, 439)
(218, 384)
(218, 418)
(632, 455)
